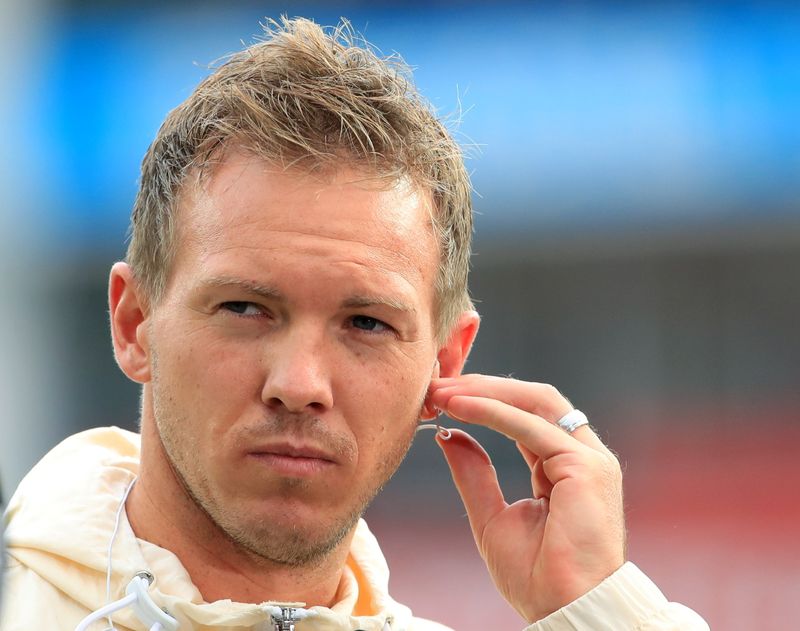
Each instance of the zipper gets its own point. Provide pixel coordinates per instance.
(285, 620)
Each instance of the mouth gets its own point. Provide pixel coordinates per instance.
(293, 460)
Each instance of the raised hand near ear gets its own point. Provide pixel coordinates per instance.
(545, 551)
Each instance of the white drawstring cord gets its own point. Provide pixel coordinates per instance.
(111, 608)
(111, 544)
(105, 611)
(144, 608)
(139, 600)
(136, 594)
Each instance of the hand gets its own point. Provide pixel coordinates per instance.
(545, 551)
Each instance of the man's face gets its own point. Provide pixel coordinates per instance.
(293, 348)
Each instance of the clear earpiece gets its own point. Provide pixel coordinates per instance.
(442, 431)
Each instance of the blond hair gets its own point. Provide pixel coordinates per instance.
(305, 96)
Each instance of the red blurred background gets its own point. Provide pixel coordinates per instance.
(711, 519)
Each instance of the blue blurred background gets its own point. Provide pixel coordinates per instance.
(637, 170)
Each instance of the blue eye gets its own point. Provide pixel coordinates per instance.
(372, 325)
(241, 307)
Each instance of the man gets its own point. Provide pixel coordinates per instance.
(294, 303)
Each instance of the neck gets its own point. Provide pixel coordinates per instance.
(218, 566)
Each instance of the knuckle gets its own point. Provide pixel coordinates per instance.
(550, 392)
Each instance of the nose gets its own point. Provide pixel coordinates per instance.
(296, 375)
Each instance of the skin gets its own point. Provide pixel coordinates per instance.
(545, 551)
(300, 311)
(284, 371)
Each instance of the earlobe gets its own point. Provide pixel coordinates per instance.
(128, 324)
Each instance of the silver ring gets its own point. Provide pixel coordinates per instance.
(572, 420)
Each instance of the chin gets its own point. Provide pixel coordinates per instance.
(286, 540)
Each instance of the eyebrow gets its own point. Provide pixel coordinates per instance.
(249, 286)
(358, 302)
(265, 291)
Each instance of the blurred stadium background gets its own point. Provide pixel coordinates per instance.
(638, 244)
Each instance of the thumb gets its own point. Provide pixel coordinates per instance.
(475, 478)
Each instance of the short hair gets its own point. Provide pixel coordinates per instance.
(309, 97)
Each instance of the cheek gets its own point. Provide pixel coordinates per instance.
(209, 380)
(384, 401)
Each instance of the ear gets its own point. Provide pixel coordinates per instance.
(129, 332)
(453, 355)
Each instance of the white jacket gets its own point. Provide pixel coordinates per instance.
(62, 517)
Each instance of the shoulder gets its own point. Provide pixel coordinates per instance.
(30, 602)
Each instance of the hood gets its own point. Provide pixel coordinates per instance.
(60, 522)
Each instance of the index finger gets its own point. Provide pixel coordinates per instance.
(539, 399)
(537, 434)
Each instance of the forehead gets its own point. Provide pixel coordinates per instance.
(248, 211)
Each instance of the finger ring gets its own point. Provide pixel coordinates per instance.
(572, 420)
